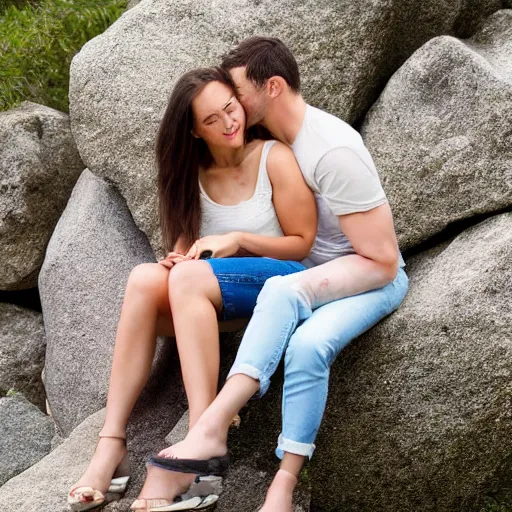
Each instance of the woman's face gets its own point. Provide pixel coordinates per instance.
(219, 118)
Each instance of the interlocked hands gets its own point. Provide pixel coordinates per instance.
(220, 246)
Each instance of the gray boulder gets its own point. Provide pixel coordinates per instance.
(22, 351)
(420, 416)
(26, 436)
(121, 80)
(39, 165)
(440, 133)
(90, 255)
(132, 3)
(44, 487)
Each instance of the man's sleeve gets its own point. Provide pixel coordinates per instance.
(347, 183)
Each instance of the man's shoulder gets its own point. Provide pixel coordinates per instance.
(326, 119)
(332, 131)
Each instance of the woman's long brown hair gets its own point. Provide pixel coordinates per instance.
(179, 155)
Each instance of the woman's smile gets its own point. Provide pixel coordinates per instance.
(231, 135)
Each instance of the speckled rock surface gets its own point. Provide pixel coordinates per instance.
(420, 409)
(26, 436)
(39, 165)
(441, 132)
(44, 487)
(22, 351)
(120, 81)
(89, 258)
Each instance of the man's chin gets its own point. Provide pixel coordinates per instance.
(253, 121)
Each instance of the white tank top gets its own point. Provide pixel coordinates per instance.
(255, 215)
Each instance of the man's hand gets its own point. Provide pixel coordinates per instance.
(221, 246)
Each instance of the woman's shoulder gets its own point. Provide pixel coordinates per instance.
(279, 153)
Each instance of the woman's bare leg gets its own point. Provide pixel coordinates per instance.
(195, 300)
(145, 314)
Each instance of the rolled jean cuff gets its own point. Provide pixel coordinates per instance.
(254, 373)
(287, 445)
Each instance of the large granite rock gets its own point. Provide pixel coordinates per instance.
(39, 165)
(121, 80)
(43, 487)
(441, 132)
(420, 409)
(22, 351)
(26, 436)
(90, 255)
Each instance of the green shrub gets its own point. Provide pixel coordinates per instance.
(38, 41)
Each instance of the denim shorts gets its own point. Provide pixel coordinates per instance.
(241, 280)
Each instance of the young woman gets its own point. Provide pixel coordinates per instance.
(221, 194)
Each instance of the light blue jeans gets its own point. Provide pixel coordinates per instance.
(310, 338)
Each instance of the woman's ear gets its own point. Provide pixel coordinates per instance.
(194, 134)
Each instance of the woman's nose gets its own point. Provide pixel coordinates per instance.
(228, 122)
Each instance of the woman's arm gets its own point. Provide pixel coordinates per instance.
(295, 207)
(296, 210)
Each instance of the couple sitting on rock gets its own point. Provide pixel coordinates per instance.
(239, 214)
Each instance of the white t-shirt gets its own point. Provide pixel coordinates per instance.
(339, 169)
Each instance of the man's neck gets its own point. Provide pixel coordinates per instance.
(285, 119)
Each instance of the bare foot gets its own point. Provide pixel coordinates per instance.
(201, 443)
(164, 484)
(280, 493)
(108, 455)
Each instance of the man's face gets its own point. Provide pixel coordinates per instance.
(253, 99)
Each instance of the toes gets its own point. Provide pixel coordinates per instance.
(167, 453)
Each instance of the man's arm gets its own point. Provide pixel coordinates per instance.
(372, 235)
(346, 183)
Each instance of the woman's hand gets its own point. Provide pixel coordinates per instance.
(172, 259)
(221, 246)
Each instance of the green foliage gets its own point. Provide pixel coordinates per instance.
(493, 505)
(4, 4)
(38, 41)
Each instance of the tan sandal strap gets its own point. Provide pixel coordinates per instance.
(101, 436)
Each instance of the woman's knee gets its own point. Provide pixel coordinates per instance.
(190, 276)
(147, 278)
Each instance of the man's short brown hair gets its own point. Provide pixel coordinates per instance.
(264, 57)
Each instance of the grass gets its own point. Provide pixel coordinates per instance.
(38, 39)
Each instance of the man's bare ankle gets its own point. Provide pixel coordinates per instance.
(284, 478)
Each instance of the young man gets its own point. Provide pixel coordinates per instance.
(356, 276)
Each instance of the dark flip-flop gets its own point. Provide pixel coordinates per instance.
(203, 467)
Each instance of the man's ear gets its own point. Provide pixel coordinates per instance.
(275, 86)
